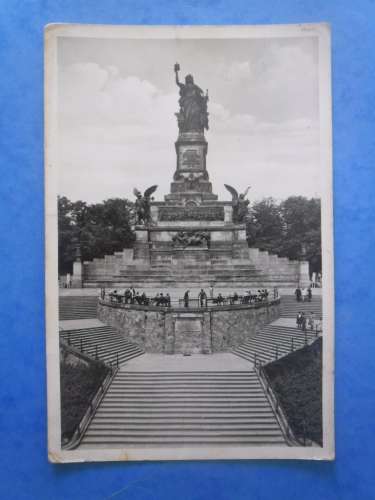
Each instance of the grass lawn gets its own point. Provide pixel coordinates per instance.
(297, 381)
(79, 384)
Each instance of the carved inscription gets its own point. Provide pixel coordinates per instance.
(191, 213)
(191, 159)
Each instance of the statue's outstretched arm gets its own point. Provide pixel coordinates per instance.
(246, 191)
(176, 70)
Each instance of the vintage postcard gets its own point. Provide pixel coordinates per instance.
(189, 242)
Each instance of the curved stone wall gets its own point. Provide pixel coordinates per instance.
(188, 331)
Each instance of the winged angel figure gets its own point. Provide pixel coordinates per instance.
(142, 205)
(240, 204)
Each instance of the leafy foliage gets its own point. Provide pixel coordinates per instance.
(100, 229)
(290, 229)
(297, 381)
(79, 384)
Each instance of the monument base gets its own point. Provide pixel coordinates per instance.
(189, 332)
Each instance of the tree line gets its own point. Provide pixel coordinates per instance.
(290, 228)
(98, 229)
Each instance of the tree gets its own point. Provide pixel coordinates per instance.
(99, 229)
(290, 229)
(265, 226)
(302, 240)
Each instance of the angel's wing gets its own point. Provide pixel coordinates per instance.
(136, 192)
(247, 190)
(232, 191)
(150, 191)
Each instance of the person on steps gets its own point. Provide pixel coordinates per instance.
(299, 320)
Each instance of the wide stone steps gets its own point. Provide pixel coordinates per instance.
(116, 281)
(176, 408)
(190, 275)
(290, 307)
(77, 307)
(103, 343)
(273, 342)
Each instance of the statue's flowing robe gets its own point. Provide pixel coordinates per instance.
(192, 107)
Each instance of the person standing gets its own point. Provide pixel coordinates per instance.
(309, 294)
(299, 320)
(297, 293)
(211, 291)
(202, 298)
(186, 298)
(303, 322)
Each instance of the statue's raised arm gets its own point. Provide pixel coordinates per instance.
(176, 70)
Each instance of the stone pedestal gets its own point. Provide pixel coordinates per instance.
(191, 185)
(304, 276)
(142, 244)
(77, 274)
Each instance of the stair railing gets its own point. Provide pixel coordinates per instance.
(91, 410)
(278, 410)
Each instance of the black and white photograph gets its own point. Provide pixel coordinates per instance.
(189, 242)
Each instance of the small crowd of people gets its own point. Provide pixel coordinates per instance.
(303, 295)
(232, 299)
(133, 297)
(309, 321)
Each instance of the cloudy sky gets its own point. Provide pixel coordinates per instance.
(117, 99)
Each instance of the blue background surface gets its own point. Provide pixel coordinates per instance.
(25, 472)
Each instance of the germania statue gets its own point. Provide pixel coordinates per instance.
(193, 116)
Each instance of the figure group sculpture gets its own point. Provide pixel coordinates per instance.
(193, 116)
(240, 204)
(191, 238)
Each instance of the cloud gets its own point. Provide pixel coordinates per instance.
(235, 72)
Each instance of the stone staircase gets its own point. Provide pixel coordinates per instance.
(165, 273)
(177, 408)
(103, 343)
(77, 307)
(273, 342)
(290, 307)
